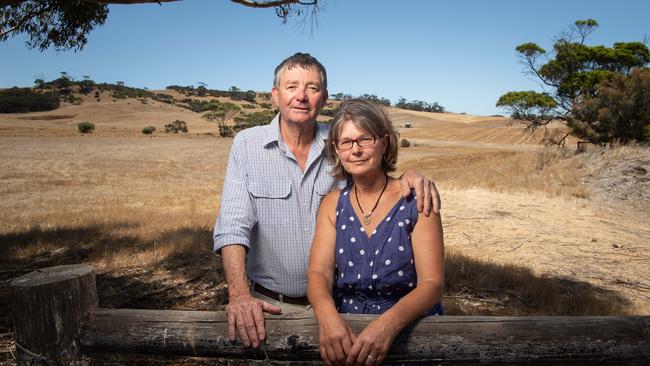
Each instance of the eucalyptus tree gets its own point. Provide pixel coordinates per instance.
(571, 75)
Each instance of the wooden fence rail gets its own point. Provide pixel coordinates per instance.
(57, 320)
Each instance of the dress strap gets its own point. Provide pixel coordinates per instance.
(343, 198)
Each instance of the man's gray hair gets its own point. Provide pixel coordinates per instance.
(303, 60)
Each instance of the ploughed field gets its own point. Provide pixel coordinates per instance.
(528, 229)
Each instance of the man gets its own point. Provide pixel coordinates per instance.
(277, 175)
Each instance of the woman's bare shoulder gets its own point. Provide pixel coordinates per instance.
(331, 199)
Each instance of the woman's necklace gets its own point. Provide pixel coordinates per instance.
(366, 216)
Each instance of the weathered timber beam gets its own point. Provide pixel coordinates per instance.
(450, 339)
(57, 320)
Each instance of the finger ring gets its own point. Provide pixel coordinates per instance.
(370, 359)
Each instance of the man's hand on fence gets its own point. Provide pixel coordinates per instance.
(246, 319)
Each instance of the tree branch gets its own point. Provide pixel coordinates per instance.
(34, 13)
(272, 4)
(248, 3)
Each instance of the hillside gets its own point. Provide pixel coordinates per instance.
(120, 117)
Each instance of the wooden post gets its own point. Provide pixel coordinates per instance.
(48, 305)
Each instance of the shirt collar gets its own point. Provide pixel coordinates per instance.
(273, 132)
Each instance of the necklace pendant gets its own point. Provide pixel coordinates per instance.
(366, 220)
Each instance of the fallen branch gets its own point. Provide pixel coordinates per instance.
(498, 291)
(490, 301)
(630, 284)
(517, 247)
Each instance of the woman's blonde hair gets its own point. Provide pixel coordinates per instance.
(367, 116)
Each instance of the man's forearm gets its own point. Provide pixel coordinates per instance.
(234, 266)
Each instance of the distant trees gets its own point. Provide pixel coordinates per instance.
(376, 99)
(23, 100)
(341, 96)
(415, 105)
(222, 114)
(86, 86)
(575, 75)
(178, 126)
(199, 106)
(39, 83)
(418, 105)
(202, 89)
(252, 119)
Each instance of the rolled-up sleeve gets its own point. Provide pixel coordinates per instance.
(236, 213)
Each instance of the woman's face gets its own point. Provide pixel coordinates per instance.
(359, 159)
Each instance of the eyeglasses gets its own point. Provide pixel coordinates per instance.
(362, 142)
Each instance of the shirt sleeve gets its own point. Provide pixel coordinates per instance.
(236, 214)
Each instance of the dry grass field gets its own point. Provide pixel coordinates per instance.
(528, 230)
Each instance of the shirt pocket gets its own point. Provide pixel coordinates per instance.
(324, 185)
(266, 190)
(270, 199)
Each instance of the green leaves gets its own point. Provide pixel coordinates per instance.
(62, 24)
(581, 83)
(529, 105)
(620, 110)
(527, 99)
(530, 49)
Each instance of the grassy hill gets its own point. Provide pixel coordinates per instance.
(118, 110)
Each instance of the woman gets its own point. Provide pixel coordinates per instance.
(372, 252)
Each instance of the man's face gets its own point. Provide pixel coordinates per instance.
(300, 95)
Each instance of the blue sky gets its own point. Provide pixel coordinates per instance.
(457, 53)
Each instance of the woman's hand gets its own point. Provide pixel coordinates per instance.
(335, 338)
(372, 344)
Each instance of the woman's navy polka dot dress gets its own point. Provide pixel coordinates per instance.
(374, 271)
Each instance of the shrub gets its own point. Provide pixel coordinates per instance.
(148, 130)
(176, 127)
(404, 143)
(164, 98)
(254, 119)
(266, 105)
(199, 106)
(70, 98)
(23, 100)
(226, 131)
(85, 127)
(86, 86)
(329, 112)
(248, 106)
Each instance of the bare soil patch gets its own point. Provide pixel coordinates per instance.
(49, 117)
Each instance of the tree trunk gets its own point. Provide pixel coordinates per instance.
(48, 305)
